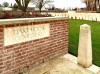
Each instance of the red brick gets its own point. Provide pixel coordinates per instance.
(35, 52)
(1, 37)
(11, 46)
(1, 26)
(8, 72)
(23, 24)
(1, 30)
(1, 63)
(1, 71)
(9, 25)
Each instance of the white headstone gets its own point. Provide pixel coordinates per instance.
(85, 46)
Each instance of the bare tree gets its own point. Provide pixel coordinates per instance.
(41, 3)
(92, 5)
(15, 6)
(22, 4)
(88, 4)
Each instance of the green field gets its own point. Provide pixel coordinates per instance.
(74, 26)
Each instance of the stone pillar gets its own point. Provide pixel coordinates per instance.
(85, 46)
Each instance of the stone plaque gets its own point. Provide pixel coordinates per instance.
(21, 34)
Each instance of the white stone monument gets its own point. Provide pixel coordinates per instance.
(85, 46)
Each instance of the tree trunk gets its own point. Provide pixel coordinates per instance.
(95, 8)
(99, 5)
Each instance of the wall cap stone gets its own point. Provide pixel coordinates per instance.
(24, 20)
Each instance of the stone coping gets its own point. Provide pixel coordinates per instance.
(26, 20)
(93, 68)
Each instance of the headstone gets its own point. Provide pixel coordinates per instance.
(85, 46)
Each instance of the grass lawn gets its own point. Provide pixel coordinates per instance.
(74, 26)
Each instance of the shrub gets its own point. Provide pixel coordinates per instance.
(19, 14)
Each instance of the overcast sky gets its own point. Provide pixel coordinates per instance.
(59, 3)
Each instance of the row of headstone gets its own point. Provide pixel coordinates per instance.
(74, 15)
(62, 14)
(84, 16)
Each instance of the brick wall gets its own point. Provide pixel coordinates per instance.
(24, 56)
